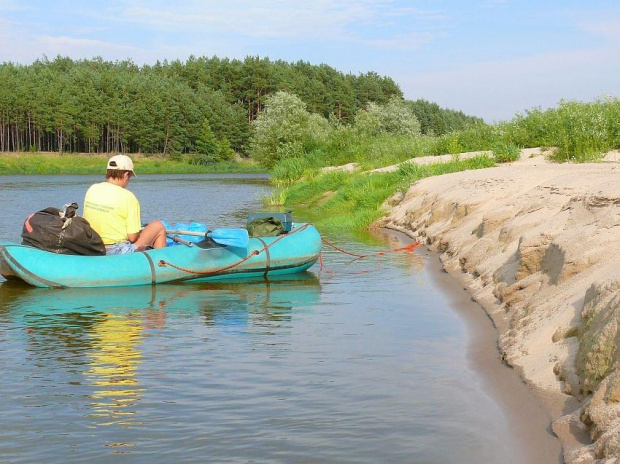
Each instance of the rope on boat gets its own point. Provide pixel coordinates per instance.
(378, 254)
(163, 263)
(410, 247)
(407, 248)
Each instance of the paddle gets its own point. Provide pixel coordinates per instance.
(177, 239)
(230, 237)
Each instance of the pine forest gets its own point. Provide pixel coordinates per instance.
(97, 106)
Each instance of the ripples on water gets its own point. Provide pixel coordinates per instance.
(361, 361)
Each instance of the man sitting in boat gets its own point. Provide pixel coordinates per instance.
(114, 212)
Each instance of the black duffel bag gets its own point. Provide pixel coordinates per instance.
(62, 232)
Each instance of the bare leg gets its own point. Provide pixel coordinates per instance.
(154, 234)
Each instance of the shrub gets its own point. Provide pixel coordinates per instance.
(505, 152)
(582, 130)
(285, 129)
(395, 117)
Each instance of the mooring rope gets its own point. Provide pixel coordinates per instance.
(378, 254)
(410, 247)
(407, 248)
(163, 263)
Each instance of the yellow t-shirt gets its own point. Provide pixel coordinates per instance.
(114, 212)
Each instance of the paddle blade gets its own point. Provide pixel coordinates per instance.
(231, 237)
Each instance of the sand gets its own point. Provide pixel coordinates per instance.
(537, 245)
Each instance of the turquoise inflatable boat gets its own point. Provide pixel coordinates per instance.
(294, 251)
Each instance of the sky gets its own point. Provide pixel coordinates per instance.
(488, 58)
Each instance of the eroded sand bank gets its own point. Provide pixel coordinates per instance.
(538, 246)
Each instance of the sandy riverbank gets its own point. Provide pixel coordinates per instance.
(538, 246)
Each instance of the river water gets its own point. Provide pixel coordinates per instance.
(355, 362)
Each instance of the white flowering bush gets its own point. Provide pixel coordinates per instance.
(285, 129)
(395, 117)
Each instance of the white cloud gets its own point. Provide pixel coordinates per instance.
(498, 90)
(11, 5)
(12, 44)
(155, 29)
(325, 20)
(257, 20)
(493, 3)
(20, 45)
(608, 28)
(74, 47)
(412, 41)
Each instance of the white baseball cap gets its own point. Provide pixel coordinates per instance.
(122, 163)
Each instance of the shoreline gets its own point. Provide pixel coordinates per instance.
(537, 246)
(527, 419)
(53, 163)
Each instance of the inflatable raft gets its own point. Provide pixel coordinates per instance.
(288, 253)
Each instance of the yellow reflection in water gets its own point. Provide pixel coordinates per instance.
(114, 363)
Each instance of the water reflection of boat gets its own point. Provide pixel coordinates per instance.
(99, 332)
(22, 300)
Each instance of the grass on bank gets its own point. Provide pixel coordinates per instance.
(70, 164)
(344, 201)
(578, 132)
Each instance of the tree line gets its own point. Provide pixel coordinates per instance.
(177, 107)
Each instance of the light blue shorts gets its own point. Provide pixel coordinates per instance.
(120, 248)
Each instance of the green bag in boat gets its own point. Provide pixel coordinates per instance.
(265, 227)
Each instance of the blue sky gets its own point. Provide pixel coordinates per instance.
(489, 58)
